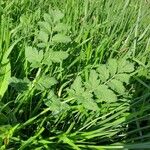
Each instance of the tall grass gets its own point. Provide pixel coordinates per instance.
(38, 107)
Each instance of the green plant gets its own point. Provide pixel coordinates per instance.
(74, 74)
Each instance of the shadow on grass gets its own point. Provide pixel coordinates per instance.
(139, 118)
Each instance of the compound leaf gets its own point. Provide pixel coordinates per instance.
(58, 56)
(60, 38)
(123, 77)
(117, 86)
(88, 101)
(45, 27)
(105, 95)
(125, 66)
(33, 56)
(77, 85)
(57, 15)
(103, 72)
(54, 103)
(93, 81)
(19, 84)
(45, 82)
(60, 27)
(48, 18)
(42, 36)
(112, 66)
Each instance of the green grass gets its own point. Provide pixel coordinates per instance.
(74, 74)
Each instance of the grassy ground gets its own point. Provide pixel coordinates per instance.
(74, 74)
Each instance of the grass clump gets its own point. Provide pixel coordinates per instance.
(74, 74)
